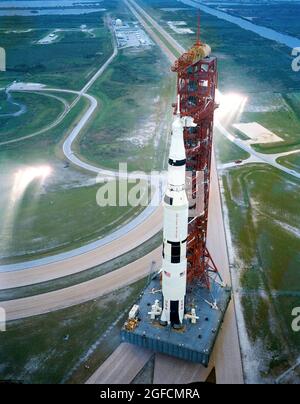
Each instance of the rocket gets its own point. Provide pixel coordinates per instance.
(175, 231)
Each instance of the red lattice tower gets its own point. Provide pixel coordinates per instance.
(196, 85)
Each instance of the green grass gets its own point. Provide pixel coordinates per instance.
(75, 279)
(284, 122)
(66, 63)
(226, 150)
(38, 228)
(42, 148)
(292, 161)
(264, 220)
(34, 350)
(263, 205)
(264, 217)
(126, 129)
(35, 226)
(41, 111)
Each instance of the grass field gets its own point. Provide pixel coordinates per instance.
(34, 226)
(276, 18)
(227, 151)
(41, 110)
(266, 242)
(112, 136)
(128, 130)
(270, 84)
(75, 279)
(263, 205)
(281, 115)
(67, 63)
(52, 348)
(292, 161)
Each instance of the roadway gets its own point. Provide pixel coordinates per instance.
(229, 356)
(83, 292)
(130, 236)
(270, 159)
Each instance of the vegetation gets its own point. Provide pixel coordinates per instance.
(266, 242)
(75, 279)
(52, 347)
(126, 129)
(40, 111)
(292, 161)
(36, 228)
(262, 204)
(226, 150)
(67, 63)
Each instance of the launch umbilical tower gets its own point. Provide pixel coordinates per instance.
(197, 77)
(182, 308)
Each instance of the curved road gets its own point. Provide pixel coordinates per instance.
(59, 299)
(86, 291)
(133, 234)
(270, 159)
(50, 126)
(227, 349)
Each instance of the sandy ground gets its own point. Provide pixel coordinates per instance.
(179, 27)
(257, 133)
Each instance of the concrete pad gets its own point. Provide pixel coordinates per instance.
(257, 133)
(227, 352)
(122, 366)
(170, 370)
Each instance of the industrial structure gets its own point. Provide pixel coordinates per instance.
(130, 35)
(181, 310)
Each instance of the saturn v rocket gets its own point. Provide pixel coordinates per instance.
(175, 231)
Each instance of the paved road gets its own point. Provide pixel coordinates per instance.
(60, 118)
(45, 303)
(69, 266)
(60, 265)
(270, 159)
(122, 366)
(83, 292)
(227, 355)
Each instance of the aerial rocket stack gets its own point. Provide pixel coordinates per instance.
(181, 310)
(175, 231)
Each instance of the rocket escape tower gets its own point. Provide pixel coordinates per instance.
(196, 86)
(181, 310)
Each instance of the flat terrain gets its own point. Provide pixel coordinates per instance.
(66, 63)
(52, 351)
(261, 209)
(260, 202)
(143, 141)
